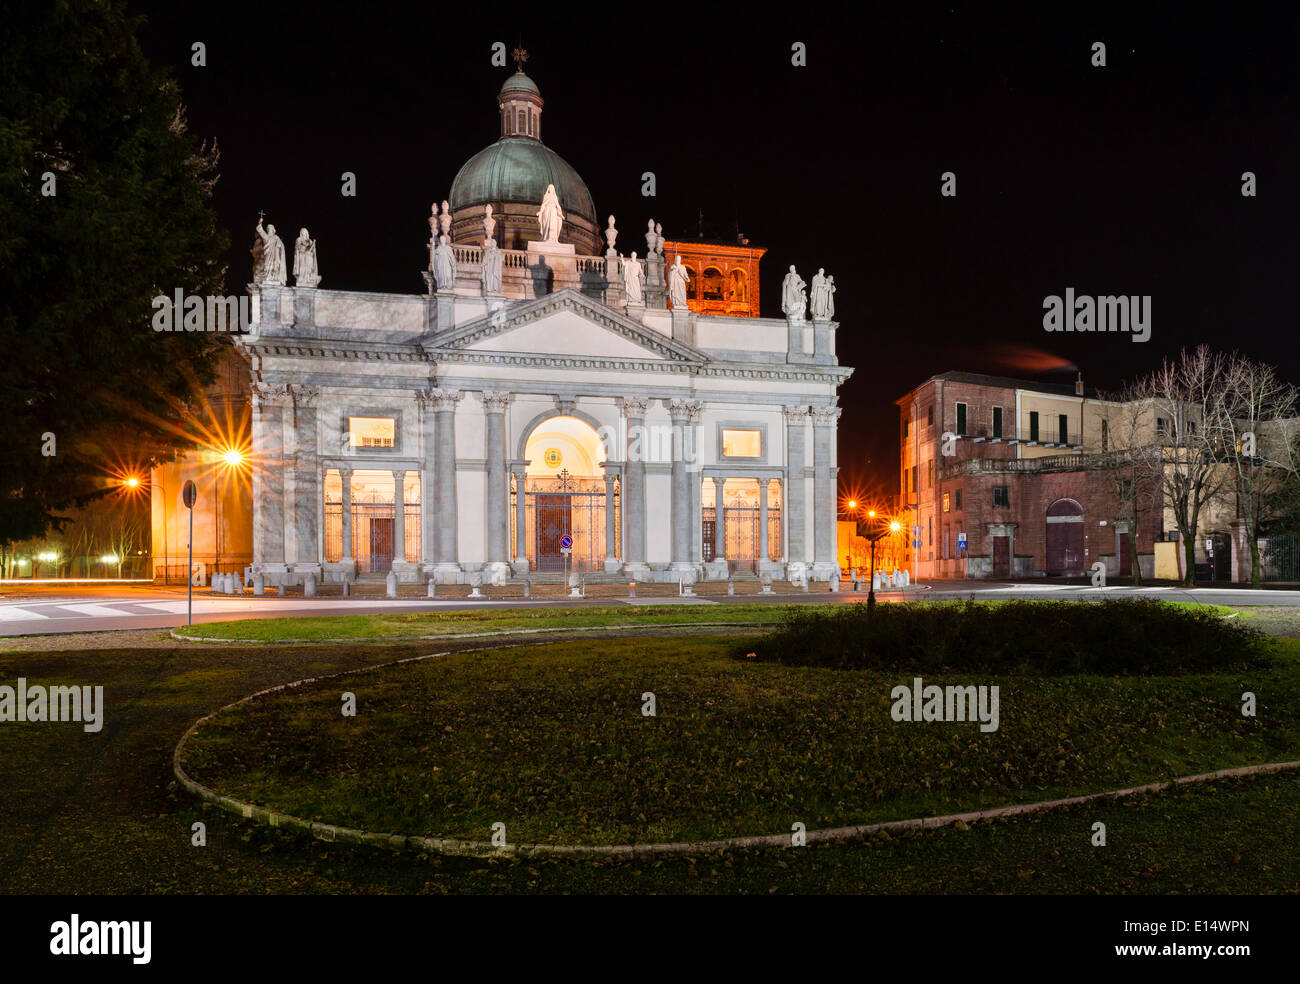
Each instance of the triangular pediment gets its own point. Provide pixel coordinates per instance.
(566, 324)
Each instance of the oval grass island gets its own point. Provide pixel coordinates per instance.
(555, 740)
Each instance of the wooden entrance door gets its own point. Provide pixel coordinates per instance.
(381, 545)
(1001, 556)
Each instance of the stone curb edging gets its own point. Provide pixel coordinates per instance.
(479, 635)
(482, 849)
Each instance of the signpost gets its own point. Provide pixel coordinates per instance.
(189, 495)
(566, 548)
(961, 541)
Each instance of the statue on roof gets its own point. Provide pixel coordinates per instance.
(820, 298)
(489, 225)
(793, 299)
(549, 217)
(678, 277)
(632, 280)
(269, 265)
(444, 264)
(305, 271)
(492, 262)
(611, 234)
(444, 220)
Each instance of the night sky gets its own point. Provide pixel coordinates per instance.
(1117, 180)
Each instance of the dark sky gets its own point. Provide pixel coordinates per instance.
(1117, 180)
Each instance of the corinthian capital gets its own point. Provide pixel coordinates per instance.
(634, 407)
(494, 402)
(825, 416)
(687, 410)
(437, 399)
(270, 395)
(795, 414)
(304, 396)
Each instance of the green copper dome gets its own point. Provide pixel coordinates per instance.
(519, 82)
(518, 169)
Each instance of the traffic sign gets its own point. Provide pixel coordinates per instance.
(566, 542)
(961, 541)
(189, 494)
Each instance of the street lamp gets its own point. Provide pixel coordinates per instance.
(892, 528)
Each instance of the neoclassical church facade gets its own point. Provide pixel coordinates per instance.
(542, 406)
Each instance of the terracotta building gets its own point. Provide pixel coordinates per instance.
(1007, 478)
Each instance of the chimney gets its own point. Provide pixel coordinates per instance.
(1078, 385)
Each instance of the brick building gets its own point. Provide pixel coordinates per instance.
(1021, 474)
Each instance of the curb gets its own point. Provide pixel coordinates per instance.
(480, 635)
(482, 849)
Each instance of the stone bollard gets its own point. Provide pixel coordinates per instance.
(875, 581)
(803, 583)
(767, 584)
(631, 589)
(574, 590)
(475, 583)
(731, 586)
(309, 585)
(528, 587)
(259, 584)
(347, 587)
(835, 583)
(280, 588)
(237, 584)
(390, 585)
(431, 588)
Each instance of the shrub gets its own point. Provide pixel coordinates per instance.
(1022, 637)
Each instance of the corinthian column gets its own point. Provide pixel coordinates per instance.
(440, 508)
(307, 480)
(634, 408)
(269, 402)
(684, 414)
(796, 419)
(498, 519)
(824, 498)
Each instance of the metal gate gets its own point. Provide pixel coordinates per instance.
(372, 535)
(565, 506)
(1279, 558)
(740, 530)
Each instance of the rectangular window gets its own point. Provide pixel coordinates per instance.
(907, 426)
(913, 489)
(1063, 422)
(961, 419)
(1162, 425)
(929, 415)
(946, 503)
(947, 535)
(930, 482)
(742, 443)
(997, 421)
(929, 532)
(1105, 435)
(1033, 425)
(372, 432)
(959, 500)
(1000, 496)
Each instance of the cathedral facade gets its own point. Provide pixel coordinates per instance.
(542, 406)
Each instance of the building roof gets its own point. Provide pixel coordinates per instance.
(1007, 382)
(519, 82)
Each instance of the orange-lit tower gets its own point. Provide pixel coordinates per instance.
(724, 277)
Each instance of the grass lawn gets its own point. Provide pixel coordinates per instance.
(407, 625)
(99, 814)
(551, 741)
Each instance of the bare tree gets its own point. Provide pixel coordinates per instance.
(1262, 445)
(1189, 399)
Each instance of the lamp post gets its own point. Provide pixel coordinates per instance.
(189, 494)
(891, 528)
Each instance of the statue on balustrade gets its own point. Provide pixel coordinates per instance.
(444, 264)
(793, 299)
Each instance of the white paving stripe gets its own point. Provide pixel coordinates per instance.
(15, 613)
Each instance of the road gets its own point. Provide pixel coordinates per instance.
(96, 609)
